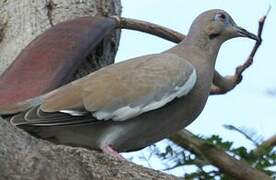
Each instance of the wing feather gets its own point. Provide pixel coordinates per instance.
(117, 92)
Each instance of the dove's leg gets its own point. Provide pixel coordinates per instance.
(110, 151)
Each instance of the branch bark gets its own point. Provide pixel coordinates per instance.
(237, 169)
(270, 143)
(150, 28)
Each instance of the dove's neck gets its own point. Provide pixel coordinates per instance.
(198, 46)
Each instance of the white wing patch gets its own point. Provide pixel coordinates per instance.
(188, 86)
(73, 112)
(128, 112)
(120, 114)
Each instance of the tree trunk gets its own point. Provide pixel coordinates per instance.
(22, 20)
(25, 157)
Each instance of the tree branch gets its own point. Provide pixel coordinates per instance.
(147, 27)
(270, 143)
(237, 169)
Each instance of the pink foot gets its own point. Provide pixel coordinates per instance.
(110, 151)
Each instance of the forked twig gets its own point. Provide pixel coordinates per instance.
(240, 69)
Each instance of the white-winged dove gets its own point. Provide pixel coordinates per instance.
(132, 104)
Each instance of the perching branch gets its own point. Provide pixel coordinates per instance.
(270, 143)
(147, 27)
(237, 169)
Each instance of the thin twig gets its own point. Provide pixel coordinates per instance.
(233, 128)
(240, 69)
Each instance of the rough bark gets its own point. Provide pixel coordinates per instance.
(25, 157)
(22, 20)
(267, 144)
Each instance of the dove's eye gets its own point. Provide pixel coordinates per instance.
(220, 17)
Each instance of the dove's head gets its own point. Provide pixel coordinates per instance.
(217, 25)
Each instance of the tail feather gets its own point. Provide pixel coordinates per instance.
(36, 114)
(28, 114)
(61, 120)
(18, 119)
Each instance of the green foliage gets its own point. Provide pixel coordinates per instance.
(261, 158)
